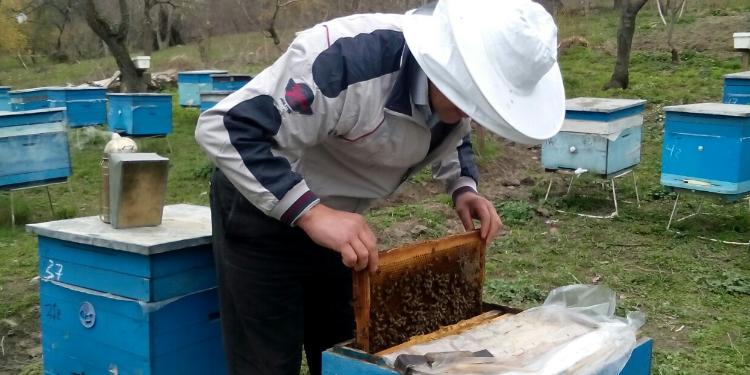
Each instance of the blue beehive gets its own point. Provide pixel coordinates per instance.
(347, 360)
(140, 114)
(5, 98)
(33, 148)
(191, 84)
(37, 98)
(602, 136)
(210, 98)
(737, 88)
(86, 106)
(130, 301)
(229, 82)
(707, 148)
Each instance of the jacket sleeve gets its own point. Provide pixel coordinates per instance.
(256, 134)
(458, 171)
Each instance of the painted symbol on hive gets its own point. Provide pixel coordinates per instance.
(87, 314)
(300, 97)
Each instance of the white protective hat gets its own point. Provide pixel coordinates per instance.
(494, 59)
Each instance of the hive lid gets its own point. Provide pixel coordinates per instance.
(208, 71)
(739, 75)
(183, 225)
(33, 111)
(741, 35)
(723, 109)
(417, 289)
(36, 89)
(218, 92)
(139, 94)
(227, 75)
(602, 105)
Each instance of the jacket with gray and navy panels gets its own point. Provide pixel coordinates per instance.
(333, 121)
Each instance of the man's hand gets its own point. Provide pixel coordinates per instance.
(470, 205)
(344, 232)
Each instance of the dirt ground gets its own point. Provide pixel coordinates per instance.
(709, 34)
(509, 175)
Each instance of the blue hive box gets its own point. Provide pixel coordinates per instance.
(602, 136)
(347, 360)
(130, 301)
(140, 114)
(37, 98)
(229, 82)
(737, 88)
(5, 98)
(210, 98)
(707, 148)
(86, 106)
(33, 148)
(191, 84)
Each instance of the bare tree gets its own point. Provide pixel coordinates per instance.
(116, 39)
(625, 30)
(152, 36)
(673, 10)
(167, 33)
(59, 14)
(271, 29)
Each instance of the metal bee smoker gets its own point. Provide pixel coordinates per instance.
(115, 145)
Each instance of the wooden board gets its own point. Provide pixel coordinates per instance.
(417, 289)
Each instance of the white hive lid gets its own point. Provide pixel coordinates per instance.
(740, 75)
(603, 105)
(736, 110)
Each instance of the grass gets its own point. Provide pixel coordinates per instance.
(695, 293)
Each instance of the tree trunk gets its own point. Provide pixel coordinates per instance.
(626, 29)
(673, 13)
(131, 79)
(670, 40)
(116, 41)
(164, 27)
(272, 25)
(618, 4)
(148, 28)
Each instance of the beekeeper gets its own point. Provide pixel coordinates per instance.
(354, 107)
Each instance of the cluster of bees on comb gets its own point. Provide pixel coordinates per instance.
(422, 297)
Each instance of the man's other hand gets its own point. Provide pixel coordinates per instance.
(470, 205)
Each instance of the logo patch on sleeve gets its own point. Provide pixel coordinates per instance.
(299, 97)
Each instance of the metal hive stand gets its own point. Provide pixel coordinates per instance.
(606, 178)
(49, 197)
(698, 212)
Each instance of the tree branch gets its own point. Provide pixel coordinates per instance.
(287, 3)
(100, 26)
(122, 30)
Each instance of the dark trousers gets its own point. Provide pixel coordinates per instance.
(278, 290)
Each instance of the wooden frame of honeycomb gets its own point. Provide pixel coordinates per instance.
(417, 289)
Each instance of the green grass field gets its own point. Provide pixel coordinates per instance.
(696, 293)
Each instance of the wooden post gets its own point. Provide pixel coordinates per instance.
(745, 58)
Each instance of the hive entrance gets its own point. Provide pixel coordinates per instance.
(417, 289)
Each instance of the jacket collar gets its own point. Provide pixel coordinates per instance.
(400, 98)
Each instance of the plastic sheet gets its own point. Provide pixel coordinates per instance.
(575, 331)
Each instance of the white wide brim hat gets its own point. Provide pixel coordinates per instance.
(496, 61)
